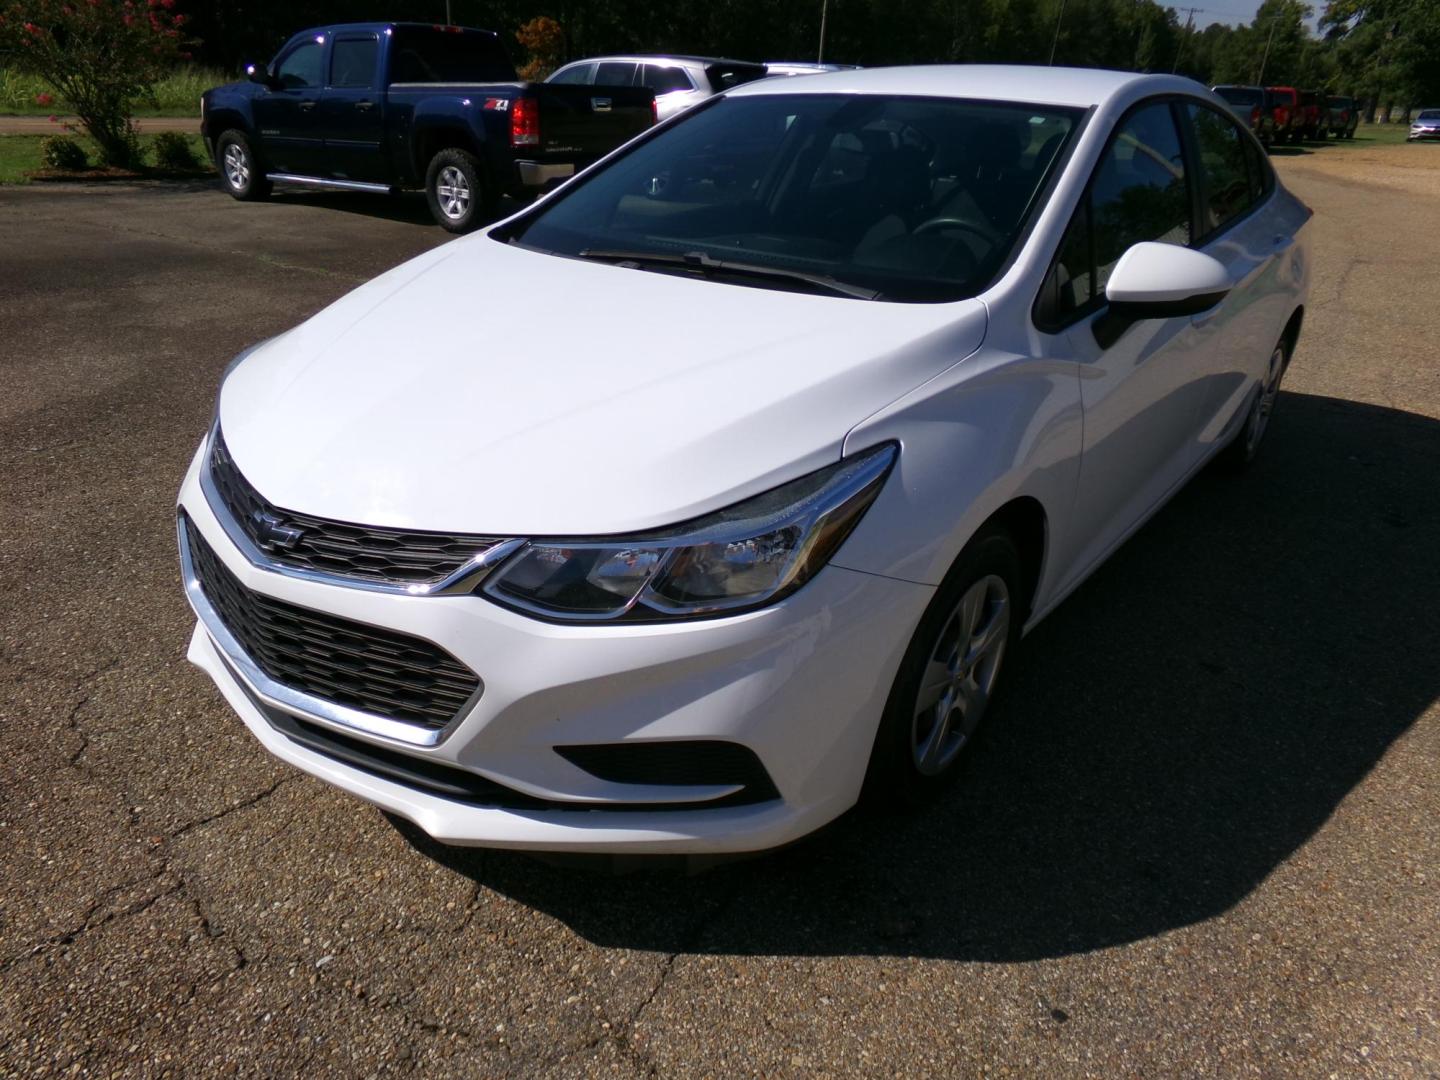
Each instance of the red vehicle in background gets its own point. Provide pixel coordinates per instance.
(1289, 116)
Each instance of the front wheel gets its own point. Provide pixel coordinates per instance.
(460, 199)
(239, 171)
(950, 674)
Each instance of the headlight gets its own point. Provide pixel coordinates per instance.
(750, 554)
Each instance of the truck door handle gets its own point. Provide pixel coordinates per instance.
(364, 106)
(307, 105)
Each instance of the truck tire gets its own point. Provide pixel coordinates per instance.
(460, 198)
(239, 170)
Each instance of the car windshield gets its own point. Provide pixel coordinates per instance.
(1429, 114)
(901, 199)
(1239, 95)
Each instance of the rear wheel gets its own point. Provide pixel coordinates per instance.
(1245, 447)
(460, 198)
(239, 171)
(950, 674)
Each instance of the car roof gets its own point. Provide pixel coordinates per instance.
(1081, 87)
(677, 58)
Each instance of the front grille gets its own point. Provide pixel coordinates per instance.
(362, 667)
(391, 556)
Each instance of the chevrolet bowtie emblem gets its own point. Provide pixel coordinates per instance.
(271, 533)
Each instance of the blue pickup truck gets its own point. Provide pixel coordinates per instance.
(386, 107)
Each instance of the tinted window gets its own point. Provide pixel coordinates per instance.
(724, 76)
(665, 80)
(920, 199)
(1139, 191)
(577, 75)
(352, 63)
(614, 73)
(422, 55)
(301, 68)
(1224, 163)
(1429, 114)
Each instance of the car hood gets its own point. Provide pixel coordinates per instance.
(486, 388)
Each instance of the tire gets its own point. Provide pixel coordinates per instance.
(911, 762)
(460, 197)
(1244, 448)
(239, 170)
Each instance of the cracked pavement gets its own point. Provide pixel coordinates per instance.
(1199, 838)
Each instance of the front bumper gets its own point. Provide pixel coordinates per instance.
(802, 684)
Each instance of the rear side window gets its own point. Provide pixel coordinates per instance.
(1139, 192)
(422, 55)
(614, 73)
(302, 66)
(1225, 167)
(352, 62)
(665, 80)
(579, 75)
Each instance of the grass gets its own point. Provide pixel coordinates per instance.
(177, 95)
(20, 154)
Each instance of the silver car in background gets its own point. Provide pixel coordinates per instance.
(678, 81)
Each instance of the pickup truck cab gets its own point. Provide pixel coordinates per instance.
(385, 107)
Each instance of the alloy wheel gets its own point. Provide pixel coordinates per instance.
(237, 166)
(1264, 405)
(960, 675)
(452, 192)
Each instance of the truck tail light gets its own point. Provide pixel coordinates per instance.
(654, 112)
(525, 122)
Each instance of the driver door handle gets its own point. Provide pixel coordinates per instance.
(306, 106)
(364, 106)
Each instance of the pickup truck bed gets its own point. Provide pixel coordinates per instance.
(390, 106)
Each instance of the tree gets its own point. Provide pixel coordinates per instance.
(101, 56)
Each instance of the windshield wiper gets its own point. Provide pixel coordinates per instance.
(703, 263)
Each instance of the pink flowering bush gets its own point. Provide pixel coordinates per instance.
(101, 56)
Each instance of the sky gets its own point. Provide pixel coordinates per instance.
(1233, 12)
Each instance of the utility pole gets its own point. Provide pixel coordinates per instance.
(1184, 35)
(1056, 39)
(820, 52)
(1264, 59)
(448, 20)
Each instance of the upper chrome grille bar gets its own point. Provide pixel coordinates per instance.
(464, 579)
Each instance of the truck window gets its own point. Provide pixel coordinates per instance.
(352, 62)
(301, 66)
(422, 55)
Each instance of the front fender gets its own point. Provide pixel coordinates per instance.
(991, 429)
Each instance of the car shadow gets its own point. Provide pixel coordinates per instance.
(1172, 734)
(1289, 150)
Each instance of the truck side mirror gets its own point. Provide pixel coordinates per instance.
(259, 73)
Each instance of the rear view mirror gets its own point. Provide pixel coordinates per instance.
(1165, 281)
(259, 73)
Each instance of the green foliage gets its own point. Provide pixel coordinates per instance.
(101, 57)
(174, 151)
(61, 152)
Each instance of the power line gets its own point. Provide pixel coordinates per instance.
(1185, 35)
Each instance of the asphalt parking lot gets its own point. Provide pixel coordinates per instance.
(1202, 836)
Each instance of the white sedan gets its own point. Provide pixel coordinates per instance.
(719, 486)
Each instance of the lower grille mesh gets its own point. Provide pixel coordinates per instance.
(363, 667)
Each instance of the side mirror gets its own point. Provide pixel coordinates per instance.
(259, 73)
(1165, 281)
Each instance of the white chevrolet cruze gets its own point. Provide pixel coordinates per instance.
(719, 486)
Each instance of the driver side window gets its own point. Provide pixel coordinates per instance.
(1139, 192)
(301, 69)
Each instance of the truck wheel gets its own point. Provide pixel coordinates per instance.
(459, 197)
(239, 171)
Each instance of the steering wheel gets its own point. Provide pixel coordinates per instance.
(935, 224)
